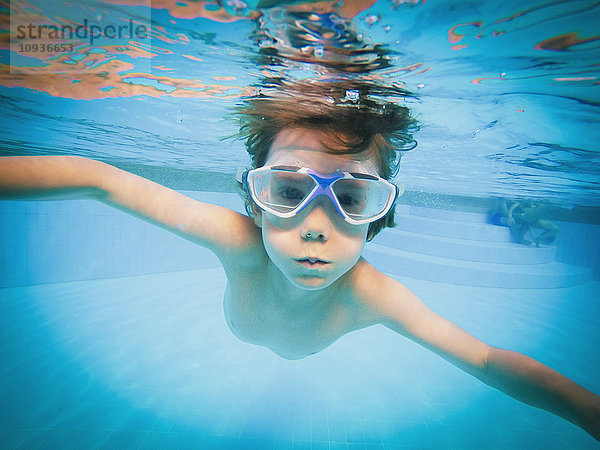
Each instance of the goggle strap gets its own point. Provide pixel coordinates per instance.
(239, 175)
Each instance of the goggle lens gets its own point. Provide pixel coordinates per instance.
(282, 191)
(361, 199)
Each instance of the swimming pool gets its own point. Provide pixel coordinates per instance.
(111, 364)
(113, 331)
(101, 359)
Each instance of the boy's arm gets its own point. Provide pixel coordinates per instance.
(45, 177)
(513, 373)
(531, 382)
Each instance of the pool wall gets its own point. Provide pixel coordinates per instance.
(57, 241)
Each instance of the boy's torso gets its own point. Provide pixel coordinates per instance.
(256, 313)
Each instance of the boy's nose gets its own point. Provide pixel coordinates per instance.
(317, 223)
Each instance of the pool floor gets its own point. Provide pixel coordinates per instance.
(148, 362)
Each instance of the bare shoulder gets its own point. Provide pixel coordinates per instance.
(387, 298)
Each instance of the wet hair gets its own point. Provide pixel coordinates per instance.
(362, 118)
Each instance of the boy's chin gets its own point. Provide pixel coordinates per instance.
(312, 283)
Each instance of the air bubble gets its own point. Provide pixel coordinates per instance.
(238, 5)
(353, 95)
(371, 19)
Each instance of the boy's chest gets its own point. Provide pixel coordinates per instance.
(255, 316)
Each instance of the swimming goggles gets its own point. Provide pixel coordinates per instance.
(286, 190)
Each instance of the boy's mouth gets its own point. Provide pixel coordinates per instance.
(312, 262)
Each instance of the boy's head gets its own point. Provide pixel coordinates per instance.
(360, 119)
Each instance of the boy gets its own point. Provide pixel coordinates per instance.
(521, 217)
(322, 153)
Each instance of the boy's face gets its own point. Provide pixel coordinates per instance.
(318, 231)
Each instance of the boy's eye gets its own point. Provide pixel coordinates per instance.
(290, 188)
(352, 204)
(352, 195)
(290, 193)
(348, 200)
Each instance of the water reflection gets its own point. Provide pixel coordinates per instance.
(327, 40)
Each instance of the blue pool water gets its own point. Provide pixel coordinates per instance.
(117, 339)
(113, 333)
(148, 362)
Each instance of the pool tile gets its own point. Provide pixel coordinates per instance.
(335, 445)
(254, 444)
(118, 438)
(302, 430)
(354, 430)
(337, 430)
(283, 444)
(85, 438)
